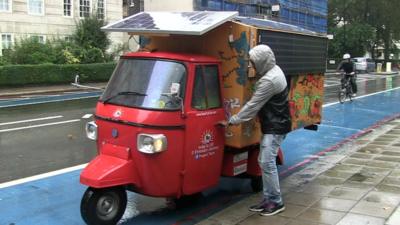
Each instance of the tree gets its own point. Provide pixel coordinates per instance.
(372, 22)
(88, 34)
(89, 45)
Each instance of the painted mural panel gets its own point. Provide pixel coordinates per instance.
(306, 99)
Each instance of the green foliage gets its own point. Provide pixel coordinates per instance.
(88, 46)
(31, 51)
(89, 36)
(354, 38)
(345, 18)
(92, 55)
(18, 75)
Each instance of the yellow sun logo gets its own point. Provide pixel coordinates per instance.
(207, 137)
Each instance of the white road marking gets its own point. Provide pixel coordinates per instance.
(87, 116)
(363, 96)
(39, 125)
(41, 176)
(31, 120)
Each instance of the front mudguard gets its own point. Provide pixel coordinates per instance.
(109, 171)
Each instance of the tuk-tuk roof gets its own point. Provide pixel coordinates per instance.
(172, 56)
(276, 26)
(182, 23)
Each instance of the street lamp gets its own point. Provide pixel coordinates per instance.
(330, 37)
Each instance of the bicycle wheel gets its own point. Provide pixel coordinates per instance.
(342, 95)
(350, 93)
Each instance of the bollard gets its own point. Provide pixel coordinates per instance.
(379, 67)
(388, 67)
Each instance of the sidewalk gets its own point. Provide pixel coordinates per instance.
(358, 184)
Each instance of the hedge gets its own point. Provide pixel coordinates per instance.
(18, 75)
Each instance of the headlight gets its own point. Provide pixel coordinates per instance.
(91, 130)
(151, 143)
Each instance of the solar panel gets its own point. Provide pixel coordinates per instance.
(187, 23)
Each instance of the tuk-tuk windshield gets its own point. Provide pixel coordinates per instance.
(146, 83)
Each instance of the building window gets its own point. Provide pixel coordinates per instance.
(84, 8)
(100, 9)
(36, 7)
(67, 7)
(5, 5)
(6, 43)
(39, 38)
(68, 39)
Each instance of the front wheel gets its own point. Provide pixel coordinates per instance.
(103, 206)
(342, 96)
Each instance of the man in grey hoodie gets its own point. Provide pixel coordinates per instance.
(270, 102)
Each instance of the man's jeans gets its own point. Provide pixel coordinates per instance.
(270, 144)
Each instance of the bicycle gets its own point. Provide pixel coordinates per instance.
(346, 90)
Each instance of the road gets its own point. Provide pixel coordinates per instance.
(55, 200)
(38, 138)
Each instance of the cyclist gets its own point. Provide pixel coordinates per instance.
(348, 67)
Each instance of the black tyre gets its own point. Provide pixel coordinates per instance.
(256, 184)
(103, 206)
(342, 96)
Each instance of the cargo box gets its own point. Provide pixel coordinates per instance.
(300, 53)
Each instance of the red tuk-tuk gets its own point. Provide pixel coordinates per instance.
(157, 132)
(157, 123)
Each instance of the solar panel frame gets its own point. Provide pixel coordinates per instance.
(182, 23)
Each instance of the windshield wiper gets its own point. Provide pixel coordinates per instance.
(124, 93)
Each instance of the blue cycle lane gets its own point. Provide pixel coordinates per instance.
(46, 99)
(56, 200)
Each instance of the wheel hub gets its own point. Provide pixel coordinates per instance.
(107, 206)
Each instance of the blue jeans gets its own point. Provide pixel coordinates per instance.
(270, 144)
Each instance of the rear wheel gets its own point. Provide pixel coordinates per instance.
(256, 184)
(103, 206)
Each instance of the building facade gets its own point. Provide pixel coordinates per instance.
(52, 19)
(308, 14)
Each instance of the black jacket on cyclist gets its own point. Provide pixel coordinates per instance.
(347, 66)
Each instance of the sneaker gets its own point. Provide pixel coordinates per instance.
(272, 209)
(259, 207)
(353, 95)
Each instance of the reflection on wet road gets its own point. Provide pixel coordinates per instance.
(366, 84)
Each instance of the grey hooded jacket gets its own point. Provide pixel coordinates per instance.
(270, 97)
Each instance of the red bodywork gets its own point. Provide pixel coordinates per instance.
(177, 171)
(195, 153)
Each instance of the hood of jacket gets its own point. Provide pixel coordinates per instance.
(263, 58)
